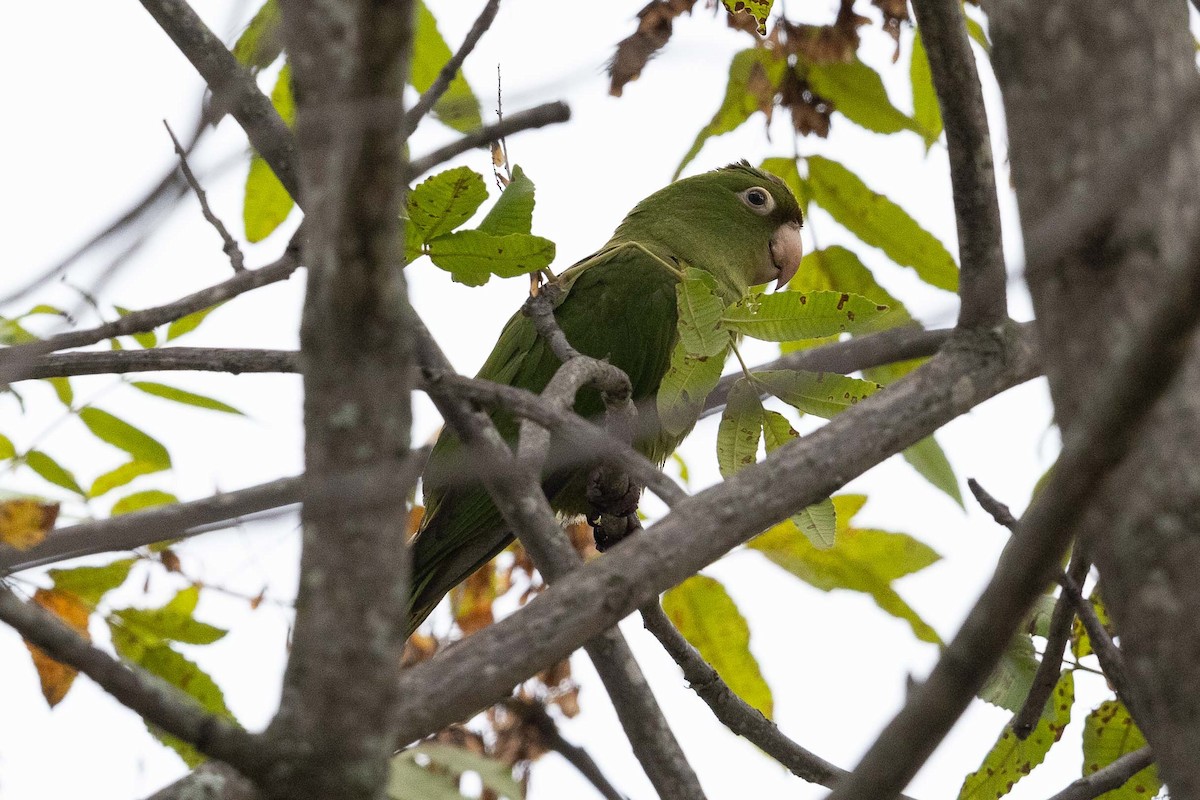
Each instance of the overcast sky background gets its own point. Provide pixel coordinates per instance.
(88, 85)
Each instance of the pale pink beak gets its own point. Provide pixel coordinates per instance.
(786, 251)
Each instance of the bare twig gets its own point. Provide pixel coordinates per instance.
(156, 701)
(234, 88)
(484, 667)
(955, 78)
(534, 713)
(733, 712)
(1114, 776)
(442, 82)
(230, 246)
(14, 361)
(536, 117)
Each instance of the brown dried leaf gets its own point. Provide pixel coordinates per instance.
(461, 736)
(821, 44)
(56, 678)
(472, 599)
(25, 521)
(257, 600)
(568, 702)
(894, 13)
(810, 112)
(170, 560)
(653, 32)
(557, 674)
(415, 515)
(583, 538)
(418, 648)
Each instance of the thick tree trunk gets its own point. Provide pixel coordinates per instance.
(1106, 161)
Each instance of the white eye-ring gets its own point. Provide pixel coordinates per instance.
(758, 199)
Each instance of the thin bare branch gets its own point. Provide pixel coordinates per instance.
(536, 117)
(234, 360)
(1114, 776)
(534, 713)
(233, 87)
(982, 280)
(15, 361)
(153, 699)
(229, 245)
(442, 82)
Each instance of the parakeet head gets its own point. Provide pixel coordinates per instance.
(737, 222)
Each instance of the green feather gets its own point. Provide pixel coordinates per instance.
(618, 304)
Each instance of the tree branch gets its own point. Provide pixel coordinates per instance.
(482, 669)
(16, 361)
(156, 701)
(233, 87)
(536, 117)
(982, 289)
(230, 247)
(442, 82)
(1114, 776)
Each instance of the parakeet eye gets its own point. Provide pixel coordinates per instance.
(759, 200)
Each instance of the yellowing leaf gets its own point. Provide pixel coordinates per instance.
(266, 203)
(700, 314)
(7, 449)
(189, 323)
(818, 523)
(684, 388)
(787, 316)
(183, 396)
(759, 9)
(1011, 758)
(822, 393)
(25, 521)
(862, 560)
(926, 111)
(740, 430)
(1109, 733)
(140, 500)
(1081, 643)
(56, 678)
(880, 223)
(753, 76)
(471, 601)
(120, 476)
(89, 584)
(119, 433)
(260, 44)
(708, 618)
(458, 107)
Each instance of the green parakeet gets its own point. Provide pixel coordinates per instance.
(738, 223)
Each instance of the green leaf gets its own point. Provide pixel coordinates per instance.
(261, 43)
(121, 476)
(777, 430)
(818, 523)
(458, 107)
(753, 76)
(787, 316)
(267, 204)
(145, 339)
(976, 32)
(442, 202)
(472, 257)
(785, 170)
(759, 9)
(7, 450)
(1010, 681)
(860, 560)
(684, 388)
(62, 388)
(1081, 643)
(89, 584)
(880, 223)
(708, 618)
(158, 658)
(50, 469)
(700, 311)
(684, 473)
(513, 212)
(836, 269)
(183, 396)
(822, 393)
(189, 323)
(145, 499)
(405, 781)
(857, 92)
(926, 111)
(741, 428)
(929, 460)
(13, 332)
(1011, 758)
(1109, 733)
(173, 622)
(122, 435)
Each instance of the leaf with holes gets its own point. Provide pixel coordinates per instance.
(787, 316)
(822, 393)
(1109, 733)
(741, 428)
(684, 388)
(443, 202)
(759, 9)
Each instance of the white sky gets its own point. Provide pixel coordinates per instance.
(88, 84)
